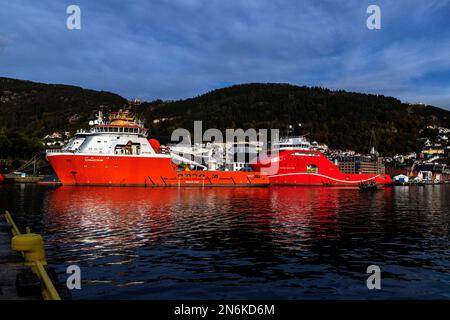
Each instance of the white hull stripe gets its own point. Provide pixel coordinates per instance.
(324, 176)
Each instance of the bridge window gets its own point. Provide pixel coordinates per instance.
(129, 148)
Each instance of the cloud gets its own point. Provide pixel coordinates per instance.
(177, 49)
(3, 42)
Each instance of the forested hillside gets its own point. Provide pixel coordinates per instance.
(29, 111)
(341, 119)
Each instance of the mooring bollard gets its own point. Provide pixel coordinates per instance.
(31, 245)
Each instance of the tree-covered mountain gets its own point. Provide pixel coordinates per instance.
(29, 111)
(343, 120)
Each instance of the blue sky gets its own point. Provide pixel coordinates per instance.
(175, 49)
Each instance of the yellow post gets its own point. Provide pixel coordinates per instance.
(32, 247)
(15, 231)
(48, 292)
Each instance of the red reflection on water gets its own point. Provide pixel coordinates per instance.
(98, 217)
(121, 218)
(312, 213)
(115, 217)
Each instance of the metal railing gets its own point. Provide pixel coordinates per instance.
(61, 151)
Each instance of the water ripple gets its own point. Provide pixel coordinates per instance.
(278, 242)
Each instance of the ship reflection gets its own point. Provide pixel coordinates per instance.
(107, 222)
(99, 220)
(170, 242)
(104, 222)
(240, 243)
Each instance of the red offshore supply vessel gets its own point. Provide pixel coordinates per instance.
(297, 163)
(117, 152)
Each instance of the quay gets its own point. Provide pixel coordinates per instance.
(24, 274)
(25, 179)
(11, 264)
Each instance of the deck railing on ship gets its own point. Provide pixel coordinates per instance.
(59, 151)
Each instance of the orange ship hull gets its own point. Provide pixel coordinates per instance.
(76, 169)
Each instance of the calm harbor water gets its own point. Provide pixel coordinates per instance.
(262, 243)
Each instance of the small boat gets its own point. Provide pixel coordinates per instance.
(368, 186)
